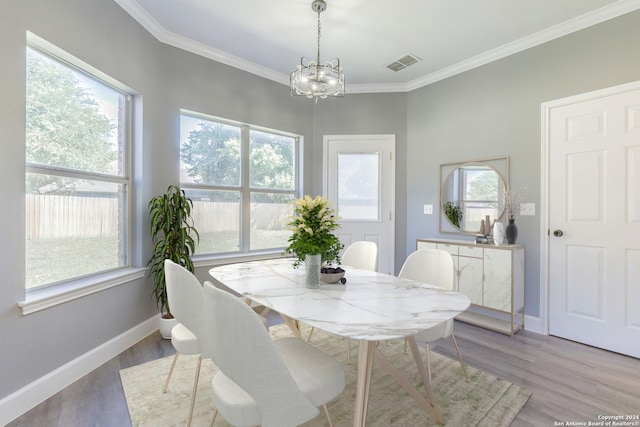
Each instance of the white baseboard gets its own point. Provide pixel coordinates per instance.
(31, 395)
(534, 324)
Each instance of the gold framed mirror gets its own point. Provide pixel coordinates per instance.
(471, 190)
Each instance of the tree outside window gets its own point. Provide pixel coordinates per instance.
(242, 181)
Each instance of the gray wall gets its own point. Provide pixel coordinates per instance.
(495, 110)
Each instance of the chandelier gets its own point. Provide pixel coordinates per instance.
(313, 79)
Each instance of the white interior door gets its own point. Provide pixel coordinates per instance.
(594, 221)
(359, 179)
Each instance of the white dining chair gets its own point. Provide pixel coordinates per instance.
(185, 300)
(261, 381)
(185, 295)
(435, 267)
(362, 255)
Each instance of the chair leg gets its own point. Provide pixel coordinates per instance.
(464, 369)
(310, 333)
(173, 365)
(215, 414)
(348, 350)
(326, 413)
(193, 393)
(405, 346)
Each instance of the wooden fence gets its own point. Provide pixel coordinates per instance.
(57, 216)
(54, 216)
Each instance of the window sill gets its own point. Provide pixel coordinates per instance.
(213, 261)
(41, 299)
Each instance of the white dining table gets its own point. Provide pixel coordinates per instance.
(371, 307)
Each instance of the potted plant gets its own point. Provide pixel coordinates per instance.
(453, 213)
(312, 224)
(174, 237)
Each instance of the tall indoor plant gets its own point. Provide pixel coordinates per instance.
(174, 237)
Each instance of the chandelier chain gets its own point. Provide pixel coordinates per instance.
(319, 29)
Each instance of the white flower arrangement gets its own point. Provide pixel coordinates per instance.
(312, 227)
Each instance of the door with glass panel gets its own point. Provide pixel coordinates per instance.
(358, 178)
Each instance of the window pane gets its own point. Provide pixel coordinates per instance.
(480, 184)
(476, 212)
(73, 121)
(271, 163)
(216, 216)
(358, 186)
(270, 214)
(74, 232)
(209, 152)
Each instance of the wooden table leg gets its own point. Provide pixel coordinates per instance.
(366, 353)
(293, 324)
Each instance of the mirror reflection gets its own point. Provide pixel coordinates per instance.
(471, 191)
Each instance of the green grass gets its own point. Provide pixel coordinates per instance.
(54, 260)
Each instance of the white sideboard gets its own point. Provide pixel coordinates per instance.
(492, 276)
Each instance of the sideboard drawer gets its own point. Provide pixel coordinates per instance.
(452, 249)
(426, 245)
(471, 251)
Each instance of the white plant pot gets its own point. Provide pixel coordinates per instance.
(166, 325)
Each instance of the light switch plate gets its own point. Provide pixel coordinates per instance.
(527, 209)
(428, 209)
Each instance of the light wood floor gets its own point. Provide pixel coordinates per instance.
(569, 381)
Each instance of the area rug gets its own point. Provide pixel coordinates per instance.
(482, 401)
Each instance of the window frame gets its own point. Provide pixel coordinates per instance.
(244, 188)
(56, 292)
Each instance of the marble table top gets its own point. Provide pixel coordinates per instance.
(371, 306)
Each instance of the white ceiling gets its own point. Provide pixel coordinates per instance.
(268, 38)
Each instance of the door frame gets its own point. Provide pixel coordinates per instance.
(391, 140)
(546, 107)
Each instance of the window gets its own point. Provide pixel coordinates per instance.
(242, 181)
(359, 186)
(77, 161)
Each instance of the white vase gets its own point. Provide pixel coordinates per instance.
(312, 270)
(166, 325)
(498, 233)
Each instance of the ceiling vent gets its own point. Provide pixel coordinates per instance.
(404, 62)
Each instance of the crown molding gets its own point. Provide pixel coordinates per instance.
(597, 16)
(167, 37)
(223, 57)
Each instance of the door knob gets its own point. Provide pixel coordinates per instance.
(558, 233)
